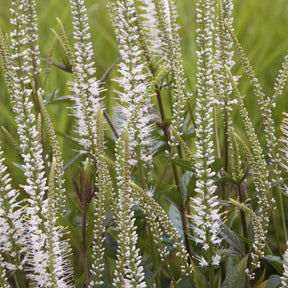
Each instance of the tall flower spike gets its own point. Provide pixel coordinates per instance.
(48, 263)
(104, 185)
(11, 226)
(223, 57)
(85, 86)
(56, 153)
(284, 278)
(281, 80)
(256, 159)
(258, 170)
(151, 28)
(206, 219)
(134, 96)
(259, 238)
(266, 111)
(32, 36)
(284, 140)
(128, 272)
(224, 52)
(155, 211)
(167, 15)
(37, 212)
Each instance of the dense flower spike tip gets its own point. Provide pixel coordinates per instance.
(151, 28)
(166, 16)
(85, 86)
(134, 95)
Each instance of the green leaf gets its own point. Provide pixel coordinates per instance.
(183, 164)
(175, 217)
(185, 184)
(184, 282)
(71, 161)
(276, 262)
(11, 140)
(198, 277)
(232, 239)
(229, 252)
(235, 277)
(274, 281)
(172, 195)
(111, 246)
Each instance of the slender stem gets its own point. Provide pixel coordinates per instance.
(241, 191)
(110, 123)
(216, 133)
(155, 259)
(211, 268)
(172, 276)
(182, 209)
(282, 213)
(275, 228)
(84, 248)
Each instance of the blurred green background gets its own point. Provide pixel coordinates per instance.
(261, 26)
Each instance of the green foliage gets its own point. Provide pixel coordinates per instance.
(158, 179)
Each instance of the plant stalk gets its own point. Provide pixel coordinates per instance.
(182, 209)
(84, 248)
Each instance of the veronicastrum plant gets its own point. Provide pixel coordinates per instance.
(158, 200)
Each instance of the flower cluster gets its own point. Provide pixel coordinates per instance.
(259, 172)
(85, 86)
(206, 218)
(11, 226)
(129, 271)
(134, 96)
(156, 214)
(284, 278)
(151, 28)
(3, 278)
(284, 140)
(167, 15)
(39, 229)
(104, 186)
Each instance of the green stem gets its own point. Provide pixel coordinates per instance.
(84, 248)
(155, 259)
(282, 213)
(211, 268)
(182, 209)
(240, 189)
(216, 134)
(140, 167)
(172, 276)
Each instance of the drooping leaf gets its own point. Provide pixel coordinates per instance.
(198, 278)
(276, 262)
(175, 217)
(183, 164)
(231, 238)
(274, 281)
(235, 278)
(185, 183)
